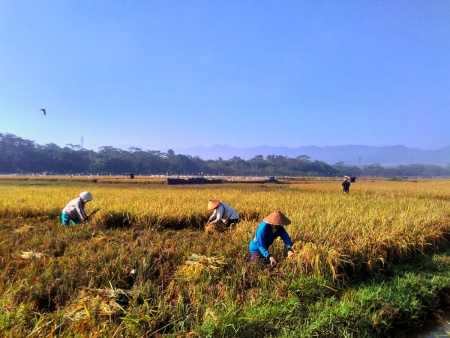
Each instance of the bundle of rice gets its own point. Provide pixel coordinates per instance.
(101, 237)
(23, 229)
(98, 303)
(31, 255)
(196, 264)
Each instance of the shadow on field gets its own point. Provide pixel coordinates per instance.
(120, 220)
(125, 221)
(252, 216)
(116, 220)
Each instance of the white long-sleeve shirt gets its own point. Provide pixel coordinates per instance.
(75, 209)
(223, 213)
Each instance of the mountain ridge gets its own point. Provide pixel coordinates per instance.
(349, 154)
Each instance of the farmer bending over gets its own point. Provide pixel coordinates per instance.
(223, 214)
(74, 210)
(268, 230)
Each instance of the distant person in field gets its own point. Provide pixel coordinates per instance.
(74, 211)
(223, 215)
(346, 184)
(268, 230)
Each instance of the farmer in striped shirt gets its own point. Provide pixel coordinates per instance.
(223, 214)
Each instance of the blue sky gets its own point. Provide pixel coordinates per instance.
(180, 74)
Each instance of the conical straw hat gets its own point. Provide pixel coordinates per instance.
(212, 204)
(277, 218)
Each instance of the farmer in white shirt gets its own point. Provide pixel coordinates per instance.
(74, 210)
(223, 215)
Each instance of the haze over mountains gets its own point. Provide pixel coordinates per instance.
(350, 154)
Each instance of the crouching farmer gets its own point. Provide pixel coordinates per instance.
(268, 230)
(74, 210)
(223, 215)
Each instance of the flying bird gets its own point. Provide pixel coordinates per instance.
(44, 111)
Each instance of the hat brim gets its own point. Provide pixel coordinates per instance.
(212, 204)
(277, 218)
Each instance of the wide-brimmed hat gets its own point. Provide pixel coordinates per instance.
(277, 218)
(212, 204)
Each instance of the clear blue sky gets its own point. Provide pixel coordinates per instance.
(179, 74)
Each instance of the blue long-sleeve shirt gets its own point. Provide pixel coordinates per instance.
(265, 237)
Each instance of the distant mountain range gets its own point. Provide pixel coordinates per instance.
(350, 155)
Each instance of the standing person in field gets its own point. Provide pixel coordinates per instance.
(268, 230)
(222, 215)
(74, 210)
(346, 184)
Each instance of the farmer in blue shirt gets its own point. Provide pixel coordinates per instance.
(268, 230)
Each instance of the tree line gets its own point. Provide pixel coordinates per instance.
(20, 156)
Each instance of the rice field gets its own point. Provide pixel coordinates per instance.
(143, 266)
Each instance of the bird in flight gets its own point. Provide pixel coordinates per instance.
(44, 111)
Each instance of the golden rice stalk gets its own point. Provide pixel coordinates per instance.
(211, 318)
(320, 260)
